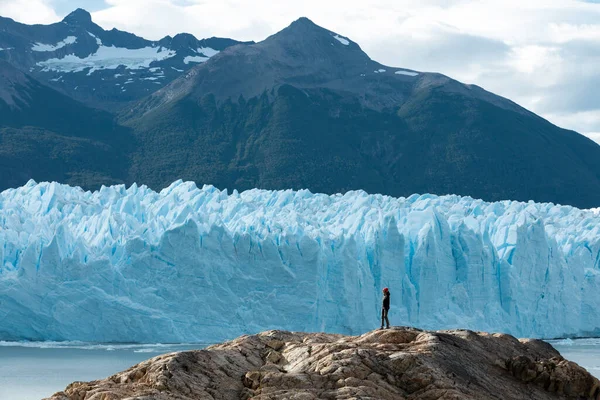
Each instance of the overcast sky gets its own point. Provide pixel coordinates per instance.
(543, 54)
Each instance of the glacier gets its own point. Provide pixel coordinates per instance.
(190, 264)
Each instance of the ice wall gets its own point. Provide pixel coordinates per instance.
(189, 264)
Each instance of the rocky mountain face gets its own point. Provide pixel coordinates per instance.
(399, 363)
(305, 108)
(309, 57)
(101, 68)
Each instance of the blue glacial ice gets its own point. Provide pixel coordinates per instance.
(188, 264)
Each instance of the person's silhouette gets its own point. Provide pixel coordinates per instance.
(385, 307)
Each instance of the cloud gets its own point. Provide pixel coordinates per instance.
(595, 136)
(29, 11)
(541, 54)
(63, 7)
(585, 122)
(462, 55)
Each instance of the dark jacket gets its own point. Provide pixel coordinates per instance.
(386, 301)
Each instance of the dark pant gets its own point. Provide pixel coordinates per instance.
(384, 317)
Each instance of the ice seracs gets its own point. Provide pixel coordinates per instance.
(188, 264)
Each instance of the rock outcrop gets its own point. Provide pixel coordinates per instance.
(398, 363)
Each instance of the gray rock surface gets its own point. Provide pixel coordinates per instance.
(399, 363)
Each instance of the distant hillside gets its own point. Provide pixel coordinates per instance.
(48, 136)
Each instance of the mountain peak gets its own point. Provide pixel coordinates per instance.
(303, 26)
(308, 45)
(304, 32)
(78, 17)
(304, 21)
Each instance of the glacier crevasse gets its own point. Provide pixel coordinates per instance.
(200, 265)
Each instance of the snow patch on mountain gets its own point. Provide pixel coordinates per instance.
(108, 57)
(188, 264)
(41, 47)
(342, 40)
(98, 40)
(195, 59)
(408, 73)
(207, 51)
(206, 54)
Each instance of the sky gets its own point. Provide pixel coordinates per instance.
(542, 54)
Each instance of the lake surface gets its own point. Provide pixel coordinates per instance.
(585, 352)
(31, 371)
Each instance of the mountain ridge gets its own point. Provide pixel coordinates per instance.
(102, 68)
(287, 41)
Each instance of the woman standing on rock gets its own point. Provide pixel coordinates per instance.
(385, 308)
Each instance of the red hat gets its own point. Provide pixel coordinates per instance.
(385, 289)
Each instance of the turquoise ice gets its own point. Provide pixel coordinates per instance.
(188, 264)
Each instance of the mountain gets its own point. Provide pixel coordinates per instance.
(48, 135)
(307, 108)
(102, 68)
(307, 57)
(200, 265)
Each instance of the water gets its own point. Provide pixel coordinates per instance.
(32, 371)
(585, 352)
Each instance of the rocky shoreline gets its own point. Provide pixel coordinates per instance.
(397, 363)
